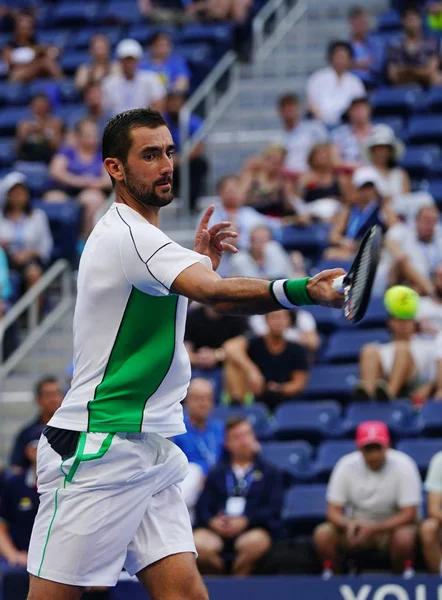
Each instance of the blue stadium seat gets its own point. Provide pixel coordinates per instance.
(421, 451)
(143, 33)
(75, 13)
(55, 37)
(17, 94)
(257, 414)
(396, 123)
(311, 241)
(425, 129)
(435, 189)
(304, 505)
(218, 35)
(398, 415)
(294, 458)
(418, 160)
(7, 152)
(37, 176)
(70, 113)
(332, 381)
(69, 91)
(114, 12)
(9, 118)
(431, 419)
(329, 453)
(73, 59)
(325, 264)
(65, 222)
(345, 346)
(434, 100)
(376, 316)
(389, 21)
(396, 101)
(313, 421)
(80, 39)
(326, 318)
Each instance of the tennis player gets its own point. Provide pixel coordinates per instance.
(107, 473)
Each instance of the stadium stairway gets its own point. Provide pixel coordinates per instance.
(251, 122)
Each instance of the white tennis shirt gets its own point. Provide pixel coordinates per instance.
(131, 368)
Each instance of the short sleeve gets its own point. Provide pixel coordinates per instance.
(312, 86)
(433, 482)
(438, 347)
(151, 260)
(409, 491)
(337, 491)
(305, 321)
(155, 87)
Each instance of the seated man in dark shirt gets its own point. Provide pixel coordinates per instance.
(414, 58)
(269, 367)
(239, 509)
(206, 332)
(48, 398)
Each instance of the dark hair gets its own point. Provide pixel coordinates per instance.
(287, 99)
(234, 421)
(221, 182)
(27, 209)
(356, 11)
(116, 137)
(158, 35)
(41, 95)
(42, 382)
(410, 7)
(337, 45)
(79, 124)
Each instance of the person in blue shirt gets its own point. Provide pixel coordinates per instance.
(171, 67)
(239, 509)
(198, 161)
(203, 442)
(5, 284)
(368, 52)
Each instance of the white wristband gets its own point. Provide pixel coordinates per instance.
(280, 295)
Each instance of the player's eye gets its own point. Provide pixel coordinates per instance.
(149, 157)
(170, 153)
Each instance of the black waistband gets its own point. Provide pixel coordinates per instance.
(63, 441)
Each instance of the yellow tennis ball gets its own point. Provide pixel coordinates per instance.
(401, 302)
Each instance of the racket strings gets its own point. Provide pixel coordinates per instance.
(362, 273)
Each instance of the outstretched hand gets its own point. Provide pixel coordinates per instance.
(320, 288)
(210, 242)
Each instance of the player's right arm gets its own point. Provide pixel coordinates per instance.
(239, 295)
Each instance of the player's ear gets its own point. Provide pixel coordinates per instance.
(115, 168)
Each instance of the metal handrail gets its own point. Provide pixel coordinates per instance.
(272, 7)
(214, 108)
(30, 302)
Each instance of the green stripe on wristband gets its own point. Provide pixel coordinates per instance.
(296, 292)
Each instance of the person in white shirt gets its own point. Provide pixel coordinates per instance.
(431, 528)
(331, 89)
(299, 135)
(373, 498)
(132, 88)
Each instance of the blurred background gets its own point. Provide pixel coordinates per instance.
(305, 122)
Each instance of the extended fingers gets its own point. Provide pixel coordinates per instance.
(223, 235)
(228, 248)
(218, 226)
(206, 217)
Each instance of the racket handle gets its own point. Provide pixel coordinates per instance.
(338, 284)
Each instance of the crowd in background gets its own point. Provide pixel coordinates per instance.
(332, 165)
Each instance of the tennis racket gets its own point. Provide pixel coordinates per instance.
(357, 284)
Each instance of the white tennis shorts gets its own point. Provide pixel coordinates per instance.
(116, 503)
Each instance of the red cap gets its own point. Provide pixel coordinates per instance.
(372, 432)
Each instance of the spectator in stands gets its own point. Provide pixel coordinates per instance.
(263, 183)
(132, 87)
(383, 150)
(302, 330)
(433, 9)
(429, 314)
(373, 499)
(350, 139)
(341, 85)
(48, 398)
(18, 507)
(92, 109)
(430, 529)
(270, 368)
(299, 135)
(321, 189)
(220, 10)
(203, 441)
(198, 165)
(100, 65)
(39, 136)
(415, 250)
(265, 259)
(414, 58)
(367, 53)
(367, 208)
(206, 333)
(171, 67)
(239, 508)
(79, 170)
(5, 284)
(243, 218)
(26, 59)
(403, 367)
(24, 232)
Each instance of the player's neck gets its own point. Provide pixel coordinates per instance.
(150, 213)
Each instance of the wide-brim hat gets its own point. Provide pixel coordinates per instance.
(383, 135)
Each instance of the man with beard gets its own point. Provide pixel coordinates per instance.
(107, 473)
